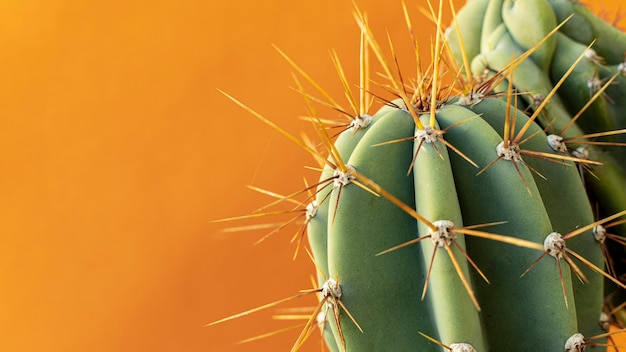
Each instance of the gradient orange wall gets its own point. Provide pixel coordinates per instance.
(117, 151)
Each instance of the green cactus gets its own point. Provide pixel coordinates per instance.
(470, 212)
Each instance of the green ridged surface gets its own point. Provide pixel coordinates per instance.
(543, 314)
(436, 199)
(374, 285)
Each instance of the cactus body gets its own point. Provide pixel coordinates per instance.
(509, 192)
(469, 220)
(373, 285)
(532, 195)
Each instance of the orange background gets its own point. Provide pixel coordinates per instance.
(117, 152)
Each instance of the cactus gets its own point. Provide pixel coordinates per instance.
(470, 212)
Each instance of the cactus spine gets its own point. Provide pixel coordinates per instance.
(462, 216)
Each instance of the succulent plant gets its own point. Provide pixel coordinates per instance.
(470, 212)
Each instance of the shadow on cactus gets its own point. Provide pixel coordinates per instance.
(432, 218)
